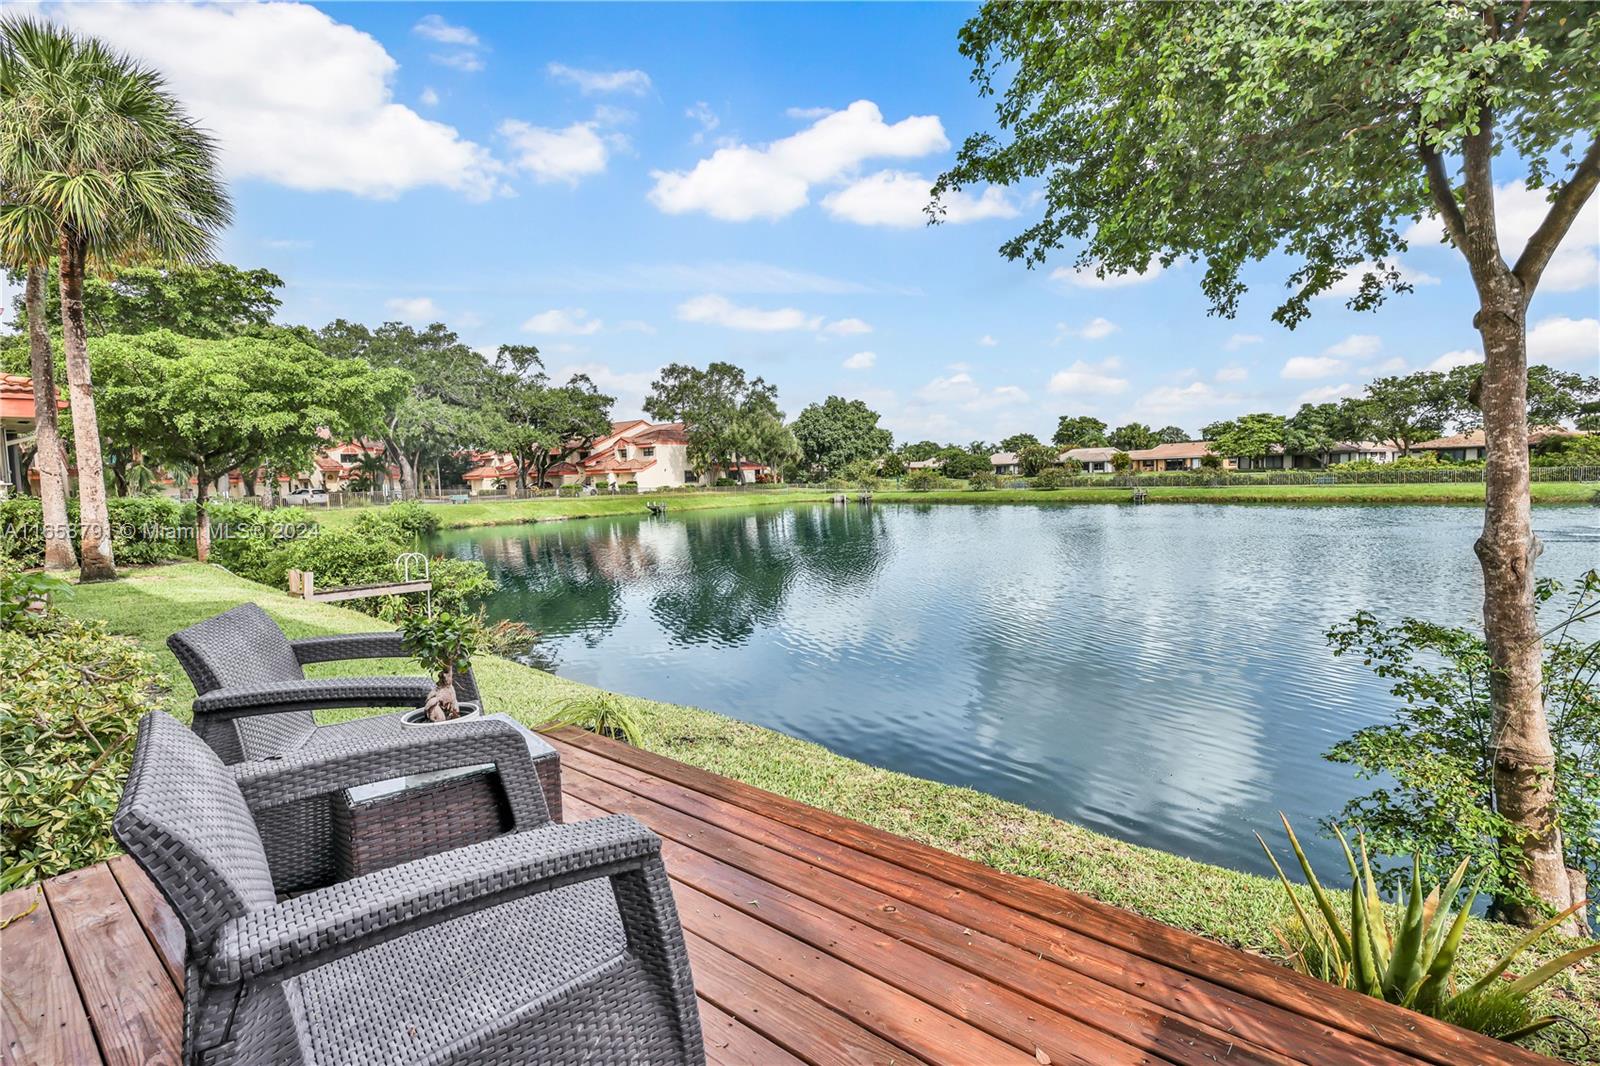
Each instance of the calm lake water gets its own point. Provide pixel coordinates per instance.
(1158, 673)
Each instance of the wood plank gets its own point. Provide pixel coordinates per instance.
(1401, 1030)
(43, 1020)
(801, 1026)
(1046, 949)
(136, 1012)
(960, 970)
(729, 1042)
(155, 917)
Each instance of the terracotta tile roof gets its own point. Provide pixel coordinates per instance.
(564, 468)
(16, 397)
(490, 471)
(1189, 449)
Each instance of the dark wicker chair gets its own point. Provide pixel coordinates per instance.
(552, 944)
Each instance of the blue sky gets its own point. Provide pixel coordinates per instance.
(627, 186)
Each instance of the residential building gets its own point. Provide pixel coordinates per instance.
(1005, 464)
(1467, 447)
(17, 428)
(647, 455)
(925, 464)
(1093, 460)
(1183, 456)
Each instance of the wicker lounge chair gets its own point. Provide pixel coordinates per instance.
(254, 702)
(557, 944)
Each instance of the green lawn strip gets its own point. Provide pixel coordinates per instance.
(1236, 908)
(520, 512)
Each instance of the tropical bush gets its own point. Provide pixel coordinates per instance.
(24, 596)
(600, 713)
(1121, 462)
(1434, 757)
(1409, 957)
(406, 520)
(247, 539)
(71, 697)
(983, 481)
(144, 529)
(1053, 478)
(923, 479)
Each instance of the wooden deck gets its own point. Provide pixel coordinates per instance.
(814, 939)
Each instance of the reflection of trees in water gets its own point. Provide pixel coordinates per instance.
(842, 545)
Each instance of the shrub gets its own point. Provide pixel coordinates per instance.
(336, 557)
(144, 529)
(1409, 959)
(1054, 478)
(725, 482)
(1121, 462)
(569, 490)
(409, 515)
(603, 714)
(250, 541)
(983, 481)
(923, 479)
(70, 703)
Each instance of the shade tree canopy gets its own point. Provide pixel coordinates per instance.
(1079, 431)
(837, 432)
(1132, 437)
(537, 422)
(723, 411)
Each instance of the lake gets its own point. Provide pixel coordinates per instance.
(1158, 673)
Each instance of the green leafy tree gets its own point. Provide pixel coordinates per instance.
(1228, 133)
(960, 463)
(719, 407)
(219, 405)
(1121, 462)
(194, 299)
(447, 407)
(541, 424)
(1316, 429)
(1555, 397)
(101, 163)
(837, 432)
(892, 466)
(1018, 441)
(1035, 459)
(920, 451)
(1408, 409)
(1132, 437)
(1171, 435)
(767, 440)
(1250, 436)
(1080, 431)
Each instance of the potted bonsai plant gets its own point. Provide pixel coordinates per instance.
(443, 643)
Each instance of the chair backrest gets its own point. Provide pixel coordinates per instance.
(239, 648)
(185, 822)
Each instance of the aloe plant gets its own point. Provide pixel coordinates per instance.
(1410, 958)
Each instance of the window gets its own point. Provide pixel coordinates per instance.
(648, 453)
(622, 453)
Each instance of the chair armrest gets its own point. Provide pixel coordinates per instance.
(389, 645)
(311, 695)
(323, 769)
(328, 924)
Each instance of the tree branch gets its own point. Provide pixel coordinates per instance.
(1568, 202)
(1444, 197)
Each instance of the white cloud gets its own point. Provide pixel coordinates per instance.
(429, 97)
(701, 112)
(630, 387)
(558, 155)
(1086, 277)
(897, 198)
(720, 311)
(1459, 357)
(1232, 373)
(861, 361)
(1329, 393)
(324, 120)
(1518, 212)
(1311, 367)
(1172, 400)
(740, 182)
(1098, 379)
(414, 308)
(435, 28)
(461, 59)
(636, 82)
(960, 390)
(1350, 284)
(1565, 340)
(568, 321)
(845, 327)
(808, 114)
(1240, 340)
(987, 341)
(1355, 346)
(1093, 330)
(1392, 365)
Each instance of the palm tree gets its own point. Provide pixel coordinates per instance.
(101, 164)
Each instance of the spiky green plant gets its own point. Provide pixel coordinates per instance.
(1410, 958)
(603, 714)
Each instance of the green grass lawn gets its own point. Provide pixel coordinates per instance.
(516, 512)
(1237, 908)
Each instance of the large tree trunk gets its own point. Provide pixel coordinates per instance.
(202, 517)
(1524, 758)
(48, 458)
(94, 542)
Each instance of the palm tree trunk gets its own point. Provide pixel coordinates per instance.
(49, 457)
(96, 562)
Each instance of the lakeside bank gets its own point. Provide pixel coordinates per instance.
(497, 512)
(1236, 908)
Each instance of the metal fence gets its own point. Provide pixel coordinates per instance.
(1331, 476)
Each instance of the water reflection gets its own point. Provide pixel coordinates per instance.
(1155, 672)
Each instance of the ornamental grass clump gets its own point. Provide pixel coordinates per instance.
(1408, 957)
(602, 714)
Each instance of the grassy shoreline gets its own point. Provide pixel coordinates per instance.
(1226, 905)
(524, 512)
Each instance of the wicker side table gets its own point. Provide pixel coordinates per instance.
(386, 823)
